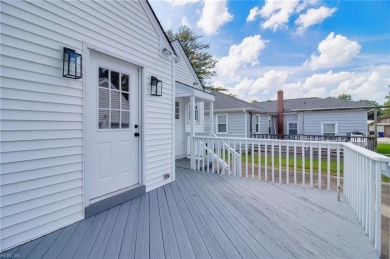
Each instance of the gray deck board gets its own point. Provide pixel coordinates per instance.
(88, 241)
(156, 236)
(185, 248)
(170, 243)
(60, 241)
(105, 233)
(142, 242)
(114, 243)
(44, 245)
(205, 215)
(130, 237)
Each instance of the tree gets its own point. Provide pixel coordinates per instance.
(370, 113)
(346, 97)
(216, 88)
(386, 111)
(196, 51)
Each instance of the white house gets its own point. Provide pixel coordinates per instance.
(188, 89)
(71, 148)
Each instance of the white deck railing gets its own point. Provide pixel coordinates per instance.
(362, 187)
(319, 164)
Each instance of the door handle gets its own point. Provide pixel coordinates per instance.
(136, 126)
(136, 134)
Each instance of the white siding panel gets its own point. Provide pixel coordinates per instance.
(42, 112)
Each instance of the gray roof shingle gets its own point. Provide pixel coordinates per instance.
(228, 102)
(313, 103)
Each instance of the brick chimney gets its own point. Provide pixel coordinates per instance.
(280, 112)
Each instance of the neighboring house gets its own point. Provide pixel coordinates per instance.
(187, 86)
(316, 116)
(71, 148)
(383, 126)
(235, 118)
(305, 116)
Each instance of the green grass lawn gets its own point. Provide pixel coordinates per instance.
(324, 163)
(384, 149)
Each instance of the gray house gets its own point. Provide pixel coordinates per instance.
(303, 116)
(315, 116)
(235, 118)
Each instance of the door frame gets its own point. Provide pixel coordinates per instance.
(182, 111)
(88, 49)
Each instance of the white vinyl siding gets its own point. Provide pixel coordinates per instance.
(222, 123)
(236, 124)
(183, 70)
(42, 113)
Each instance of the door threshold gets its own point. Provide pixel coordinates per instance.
(115, 200)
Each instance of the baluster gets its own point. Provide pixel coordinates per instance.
(303, 164)
(328, 168)
(280, 162)
(338, 166)
(311, 165)
(246, 159)
(295, 163)
(287, 163)
(229, 154)
(259, 158)
(319, 165)
(265, 161)
(253, 161)
(273, 161)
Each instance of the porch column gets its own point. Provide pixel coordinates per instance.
(211, 118)
(192, 132)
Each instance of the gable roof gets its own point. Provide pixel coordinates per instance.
(224, 102)
(179, 49)
(312, 104)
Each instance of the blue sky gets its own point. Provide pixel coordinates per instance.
(306, 48)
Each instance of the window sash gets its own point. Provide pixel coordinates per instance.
(329, 129)
(222, 123)
(293, 128)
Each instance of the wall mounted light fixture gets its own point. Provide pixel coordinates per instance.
(155, 86)
(72, 64)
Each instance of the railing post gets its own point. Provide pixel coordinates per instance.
(192, 132)
(378, 203)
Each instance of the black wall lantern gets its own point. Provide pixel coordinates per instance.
(73, 67)
(155, 86)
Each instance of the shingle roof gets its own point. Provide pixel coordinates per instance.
(227, 102)
(313, 103)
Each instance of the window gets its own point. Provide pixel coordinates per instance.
(257, 123)
(177, 110)
(292, 128)
(222, 122)
(196, 113)
(114, 108)
(329, 128)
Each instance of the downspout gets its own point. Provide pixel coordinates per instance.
(245, 123)
(250, 124)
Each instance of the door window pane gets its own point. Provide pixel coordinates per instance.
(177, 110)
(113, 101)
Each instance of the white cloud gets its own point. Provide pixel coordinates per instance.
(370, 84)
(183, 2)
(184, 21)
(313, 16)
(252, 14)
(334, 51)
(245, 53)
(277, 13)
(214, 14)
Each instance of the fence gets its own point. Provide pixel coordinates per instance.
(369, 143)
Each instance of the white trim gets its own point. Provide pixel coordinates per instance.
(288, 126)
(227, 123)
(330, 122)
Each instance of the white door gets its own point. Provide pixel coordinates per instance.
(112, 111)
(179, 128)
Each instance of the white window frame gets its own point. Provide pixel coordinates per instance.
(217, 124)
(197, 115)
(288, 127)
(336, 128)
(257, 122)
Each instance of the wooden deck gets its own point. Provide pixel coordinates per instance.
(204, 215)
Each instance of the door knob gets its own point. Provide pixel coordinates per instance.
(136, 134)
(136, 126)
